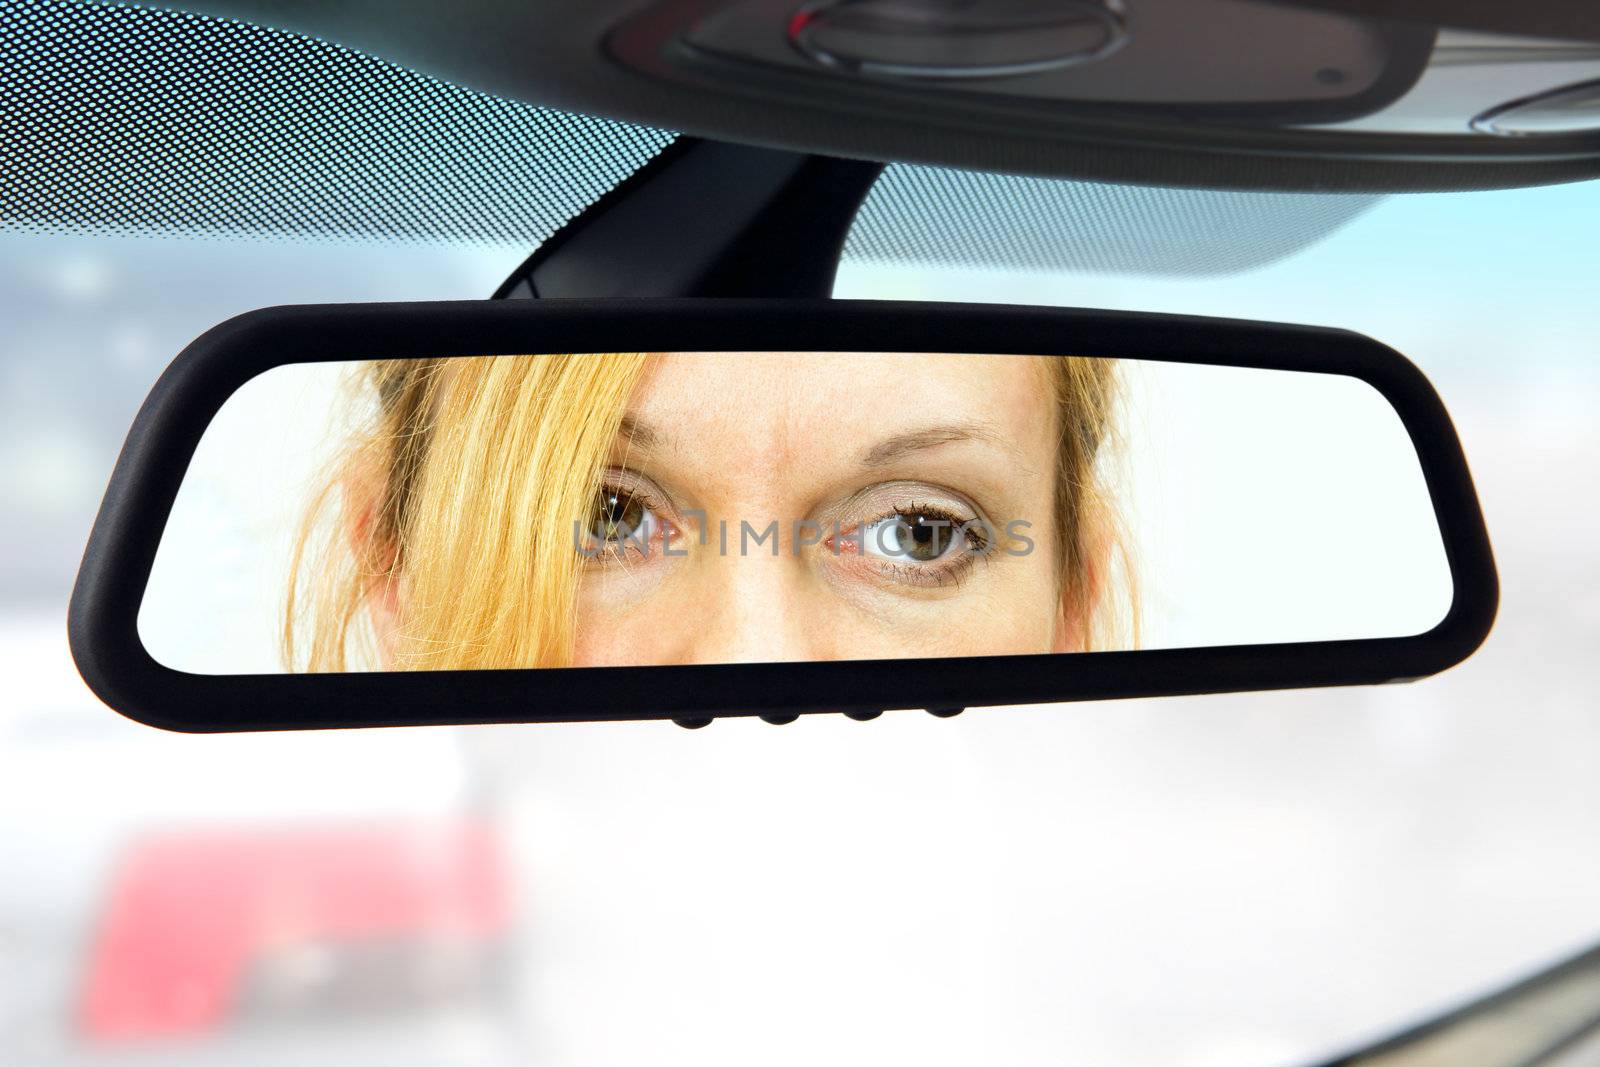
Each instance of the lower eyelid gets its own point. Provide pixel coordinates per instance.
(939, 573)
(629, 551)
(928, 575)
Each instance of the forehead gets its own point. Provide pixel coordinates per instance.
(770, 391)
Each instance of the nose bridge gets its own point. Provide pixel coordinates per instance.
(757, 581)
(756, 612)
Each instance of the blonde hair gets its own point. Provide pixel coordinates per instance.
(1095, 553)
(456, 494)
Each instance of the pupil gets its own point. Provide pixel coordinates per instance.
(617, 516)
(925, 540)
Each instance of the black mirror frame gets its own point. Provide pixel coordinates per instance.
(102, 620)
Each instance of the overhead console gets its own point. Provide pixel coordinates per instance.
(1285, 94)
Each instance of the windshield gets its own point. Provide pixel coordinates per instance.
(1281, 873)
(1262, 879)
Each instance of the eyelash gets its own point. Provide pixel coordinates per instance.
(612, 552)
(945, 570)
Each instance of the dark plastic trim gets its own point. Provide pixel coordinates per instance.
(1526, 18)
(1413, 1039)
(656, 41)
(705, 218)
(102, 620)
(595, 57)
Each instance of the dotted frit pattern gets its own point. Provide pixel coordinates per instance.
(934, 215)
(127, 119)
(122, 119)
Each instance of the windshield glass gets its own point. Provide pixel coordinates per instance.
(1241, 880)
(1352, 854)
(1279, 875)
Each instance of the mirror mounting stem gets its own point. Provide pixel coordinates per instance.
(708, 219)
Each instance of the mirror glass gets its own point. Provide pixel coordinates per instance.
(720, 507)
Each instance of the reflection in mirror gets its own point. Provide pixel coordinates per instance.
(724, 507)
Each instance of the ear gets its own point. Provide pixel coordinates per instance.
(362, 491)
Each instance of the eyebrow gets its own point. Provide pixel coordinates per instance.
(638, 434)
(900, 445)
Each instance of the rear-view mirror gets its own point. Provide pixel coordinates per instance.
(572, 510)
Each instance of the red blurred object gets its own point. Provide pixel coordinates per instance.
(189, 911)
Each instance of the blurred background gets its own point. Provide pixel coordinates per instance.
(1248, 880)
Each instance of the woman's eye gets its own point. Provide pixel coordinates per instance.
(621, 519)
(913, 538)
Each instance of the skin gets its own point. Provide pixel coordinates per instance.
(827, 437)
